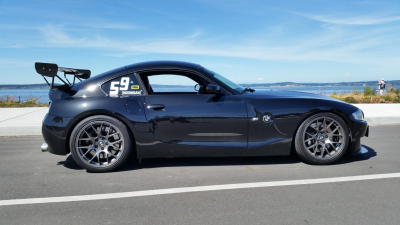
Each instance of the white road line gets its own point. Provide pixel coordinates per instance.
(193, 189)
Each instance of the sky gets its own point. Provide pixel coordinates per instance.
(252, 41)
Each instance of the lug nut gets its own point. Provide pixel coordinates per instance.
(96, 146)
(102, 148)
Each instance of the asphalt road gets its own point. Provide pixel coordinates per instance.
(26, 173)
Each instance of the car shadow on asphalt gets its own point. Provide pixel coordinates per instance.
(133, 164)
(70, 163)
(355, 158)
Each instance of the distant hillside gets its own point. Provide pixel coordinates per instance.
(395, 83)
(291, 84)
(24, 86)
(170, 86)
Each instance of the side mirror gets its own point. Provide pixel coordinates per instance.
(213, 89)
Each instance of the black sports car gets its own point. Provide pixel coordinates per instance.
(103, 119)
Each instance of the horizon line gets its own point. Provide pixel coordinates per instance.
(243, 83)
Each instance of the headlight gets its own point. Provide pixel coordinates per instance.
(358, 115)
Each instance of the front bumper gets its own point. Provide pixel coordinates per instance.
(357, 143)
(367, 131)
(360, 130)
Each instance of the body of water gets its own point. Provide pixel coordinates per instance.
(43, 94)
(322, 90)
(25, 94)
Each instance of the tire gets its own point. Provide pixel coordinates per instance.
(100, 143)
(322, 139)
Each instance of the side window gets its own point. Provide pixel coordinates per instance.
(171, 83)
(124, 86)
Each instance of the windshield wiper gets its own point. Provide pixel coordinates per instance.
(247, 89)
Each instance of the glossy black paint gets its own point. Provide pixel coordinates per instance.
(189, 125)
(189, 119)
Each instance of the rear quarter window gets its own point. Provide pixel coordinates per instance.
(124, 86)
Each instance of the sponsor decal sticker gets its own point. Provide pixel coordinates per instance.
(132, 92)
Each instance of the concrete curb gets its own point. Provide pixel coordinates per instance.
(21, 121)
(28, 121)
(380, 114)
(375, 121)
(20, 131)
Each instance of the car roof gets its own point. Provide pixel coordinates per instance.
(138, 67)
(161, 65)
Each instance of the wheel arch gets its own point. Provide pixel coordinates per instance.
(334, 111)
(117, 116)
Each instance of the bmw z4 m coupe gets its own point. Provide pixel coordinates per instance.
(101, 120)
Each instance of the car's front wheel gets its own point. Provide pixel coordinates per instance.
(100, 143)
(322, 139)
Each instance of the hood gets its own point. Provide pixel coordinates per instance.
(262, 93)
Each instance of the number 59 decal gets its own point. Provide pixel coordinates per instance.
(123, 85)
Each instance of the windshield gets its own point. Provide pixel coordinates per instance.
(224, 80)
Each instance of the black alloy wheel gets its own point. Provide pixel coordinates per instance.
(100, 144)
(322, 139)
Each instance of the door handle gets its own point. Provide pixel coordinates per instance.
(156, 106)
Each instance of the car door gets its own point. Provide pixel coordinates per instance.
(183, 117)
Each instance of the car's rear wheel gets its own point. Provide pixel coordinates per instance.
(100, 143)
(322, 139)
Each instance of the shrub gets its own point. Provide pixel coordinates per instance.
(350, 100)
(11, 101)
(366, 100)
(32, 99)
(391, 90)
(356, 91)
(375, 100)
(374, 91)
(387, 98)
(368, 91)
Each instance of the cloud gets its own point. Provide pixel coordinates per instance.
(260, 78)
(325, 48)
(17, 27)
(54, 34)
(57, 36)
(10, 63)
(107, 25)
(346, 75)
(120, 54)
(351, 20)
(196, 34)
(333, 43)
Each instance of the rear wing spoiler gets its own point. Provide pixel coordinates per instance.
(50, 70)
